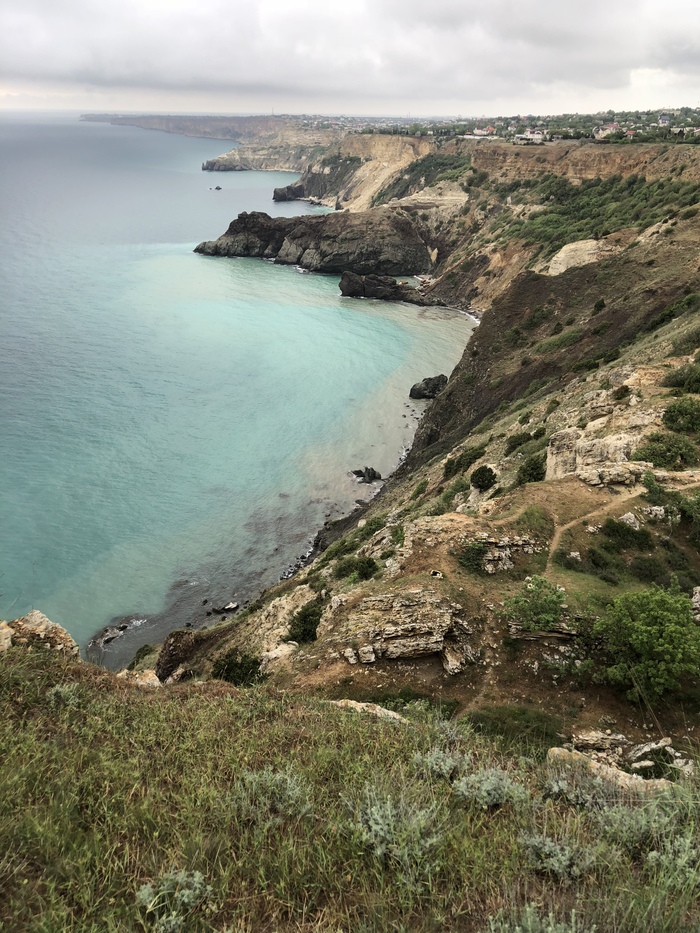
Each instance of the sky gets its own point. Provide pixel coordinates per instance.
(374, 57)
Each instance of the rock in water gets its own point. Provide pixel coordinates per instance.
(429, 387)
(377, 241)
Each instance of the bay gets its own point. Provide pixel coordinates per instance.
(175, 427)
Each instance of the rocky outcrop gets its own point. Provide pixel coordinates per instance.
(411, 624)
(381, 241)
(384, 288)
(598, 461)
(36, 631)
(428, 387)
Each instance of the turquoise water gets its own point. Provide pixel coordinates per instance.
(175, 427)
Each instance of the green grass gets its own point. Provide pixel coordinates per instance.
(258, 810)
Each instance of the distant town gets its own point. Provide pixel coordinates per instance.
(629, 126)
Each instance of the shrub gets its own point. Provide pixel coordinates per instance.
(532, 470)
(364, 567)
(420, 488)
(438, 763)
(530, 921)
(566, 862)
(685, 377)
(648, 570)
(636, 829)
(517, 440)
(620, 393)
(683, 415)
(651, 641)
(668, 450)
(483, 478)
(398, 833)
(538, 607)
(489, 788)
(236, 668)
(305, 622)
(676, 862)
(625, 536)
(268, 798)
(463, 461)
(472, 556)
(167, 904)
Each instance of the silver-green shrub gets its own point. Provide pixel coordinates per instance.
(490, 787)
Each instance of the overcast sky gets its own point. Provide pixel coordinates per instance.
(417, 57)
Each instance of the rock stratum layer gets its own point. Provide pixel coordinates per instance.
(382, 241)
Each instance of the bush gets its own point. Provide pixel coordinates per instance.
(651, 641)
(169, 903)
(564, 861)
(420, 488)
(398, 833)
(530, 921)
(463, 461)
(532, 470)
(364, 567)
(683, 415)
(685, 377)
(472, 556)
(305, 621)
(438, 763)
(538, 607)
(490, 788)
(483, 478)
(624, 536)
(620, 393)
(667, 450)
(517, 440)
(236, 668)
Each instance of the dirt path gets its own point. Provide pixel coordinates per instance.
(603, 510)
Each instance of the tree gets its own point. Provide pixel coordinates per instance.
(651, 641)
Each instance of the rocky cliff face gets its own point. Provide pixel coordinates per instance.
(382, 241)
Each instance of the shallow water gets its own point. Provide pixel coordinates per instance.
(175, 427)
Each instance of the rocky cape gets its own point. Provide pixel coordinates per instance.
(382, 241)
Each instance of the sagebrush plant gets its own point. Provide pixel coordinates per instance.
(651, 641)
(676, 862)
(167, 904)
(398, 832)
(531, 920)
(489, 788)
(637, 829)
(566, 861)
(538, 606)
(438, 763)
(269, 797)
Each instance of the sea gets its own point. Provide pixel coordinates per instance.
(175, 428)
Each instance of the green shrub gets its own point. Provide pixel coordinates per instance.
(532, 470)
(668, 450)
(517, 440)
(599, 305)
(685, 377)
(472, 556)
(483, 478)
(566, 339)
(565, 862)
(305, 622)
(489, 788)
(168, 904)
(268, 798)
(237, 668)
(420, 488)
(539, 606)
(689, 342)
(649, 570)
(437, 763)
(364, 567)
(463, 461)
(530, 921)
(401, 835)
(636, 830)
(624, 536)
(620, 393)
(683, 415)
(650, 640)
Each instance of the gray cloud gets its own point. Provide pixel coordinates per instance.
(400, 54)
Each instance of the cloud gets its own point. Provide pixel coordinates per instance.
(403, 53)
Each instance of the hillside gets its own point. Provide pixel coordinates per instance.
(522, 600)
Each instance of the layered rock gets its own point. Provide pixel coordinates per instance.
(381, 241)
(382, 287)
(36, 631)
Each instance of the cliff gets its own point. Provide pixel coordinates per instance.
(382, 241)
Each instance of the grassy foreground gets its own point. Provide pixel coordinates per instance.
(204, 807)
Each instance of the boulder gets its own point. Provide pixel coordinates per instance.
(428, 387)
(628, 782)
(147, 678)
(382, 287)
(35, 630)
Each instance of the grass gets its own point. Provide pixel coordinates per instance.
(229, 809)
